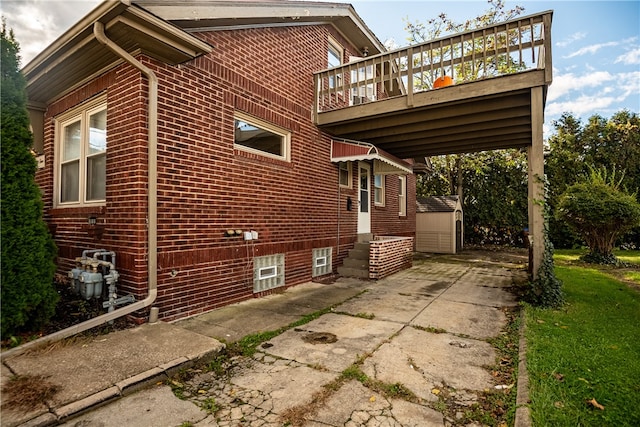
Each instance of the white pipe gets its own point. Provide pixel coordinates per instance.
(98, 31)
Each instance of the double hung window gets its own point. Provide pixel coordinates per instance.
(334, 59)
(378, 185)
(402, 196)
(345, 174)
(82, 155)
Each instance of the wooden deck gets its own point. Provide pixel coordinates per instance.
(389, 100)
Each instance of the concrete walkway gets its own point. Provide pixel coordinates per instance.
(421, 331)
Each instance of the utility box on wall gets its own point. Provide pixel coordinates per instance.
(439, 224)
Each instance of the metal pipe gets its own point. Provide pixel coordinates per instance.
(98, 31)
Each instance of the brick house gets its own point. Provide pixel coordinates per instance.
(181, 136)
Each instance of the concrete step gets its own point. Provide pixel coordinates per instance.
(365, 237)
(359, 254)
(356, 263)
(361, 246)
(353, 272)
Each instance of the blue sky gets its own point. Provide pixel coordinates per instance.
(596, 44)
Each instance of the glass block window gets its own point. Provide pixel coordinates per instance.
(268, 272)
(322, 261)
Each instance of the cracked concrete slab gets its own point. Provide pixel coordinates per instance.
(355, 337)
(282, 387)
(355, 405)
(421, 360)
(476, 321)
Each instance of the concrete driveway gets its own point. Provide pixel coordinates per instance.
(380, 357)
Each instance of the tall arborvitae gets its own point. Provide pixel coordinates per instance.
(28, 252)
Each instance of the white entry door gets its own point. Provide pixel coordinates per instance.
(364, 198)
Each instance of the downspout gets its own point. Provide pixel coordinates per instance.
(98, 31)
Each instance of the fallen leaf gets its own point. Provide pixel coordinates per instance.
(540, 321)
(503, 424)
(176, 383)
(202, 391)
(558, 376)
(593, 402)
(372, 399)
(558, 404)
(435, 391)
(564, 327)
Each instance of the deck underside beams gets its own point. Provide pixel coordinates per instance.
(471, 117)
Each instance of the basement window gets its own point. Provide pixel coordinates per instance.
(268, 272)
(257, 136)
(322, 261)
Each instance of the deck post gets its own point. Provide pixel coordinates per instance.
(535, 158)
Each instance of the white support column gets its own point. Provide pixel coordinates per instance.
(535, 157)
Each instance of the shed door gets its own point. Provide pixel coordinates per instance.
(364, 198)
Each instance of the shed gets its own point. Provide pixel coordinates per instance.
(439, 226)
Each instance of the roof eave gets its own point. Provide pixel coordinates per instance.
(192, 15)
(77, 56)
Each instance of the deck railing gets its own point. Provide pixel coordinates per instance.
(510, 47)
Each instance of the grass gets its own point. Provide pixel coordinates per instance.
(26, 391)
(584, 359)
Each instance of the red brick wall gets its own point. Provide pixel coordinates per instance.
(388, 255)
(205, 186)
(385, 220)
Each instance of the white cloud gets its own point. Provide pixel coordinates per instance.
(631, 57)
(594, 48)
(591, 49)
(566, 83)
(600, 92)
(37, 23)
(571, 38)
(581, 106)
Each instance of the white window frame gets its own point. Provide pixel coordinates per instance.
(333, 47)
(348, 167)
(402, 195)
(379, 190)
(82, 114)
(261, 124)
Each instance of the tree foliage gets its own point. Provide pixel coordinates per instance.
(28, 251)
(575, 148)
(600, 211)
(484, 66)
(494, 197)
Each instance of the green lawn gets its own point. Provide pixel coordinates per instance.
(589, 349)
